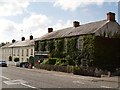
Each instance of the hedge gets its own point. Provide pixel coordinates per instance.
(68, 69)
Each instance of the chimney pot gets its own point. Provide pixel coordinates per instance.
(50, 30)
(76, 24)
(31, 37)
(13, 41)
(111, 16)
(23, 38)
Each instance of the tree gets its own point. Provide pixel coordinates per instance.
(2, 44)
(31, 60)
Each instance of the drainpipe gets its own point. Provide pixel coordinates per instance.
(12, 53)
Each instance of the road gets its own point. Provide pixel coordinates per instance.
(16, 77)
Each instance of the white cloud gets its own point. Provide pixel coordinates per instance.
(7, 30)
(74, 4)
(39, 21)
(66, 4)
(37, 24)
(60, 24)
(12, 7)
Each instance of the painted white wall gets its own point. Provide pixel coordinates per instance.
(0, 53)
(16, 52)
(110, 26)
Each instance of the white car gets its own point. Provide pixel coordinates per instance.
(3, 63)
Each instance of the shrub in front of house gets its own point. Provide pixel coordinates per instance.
(49, 61)
(52, 61)
(76, 70)
(45, 61)
(16, 59)
(90, 71)
(31, 60)
(61, 62)
(55, 61)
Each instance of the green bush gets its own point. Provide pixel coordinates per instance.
(61, 62)
(45, 61)
(55, 61)
(76, 70)
(16, 59)
(52, 61)
(31, 60)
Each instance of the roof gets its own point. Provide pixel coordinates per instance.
(7, 45)
(20, 44)
(23, 43)
(88, 28)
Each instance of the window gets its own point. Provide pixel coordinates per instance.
(22, 52)
(31, 51)
(22, 59)
(80, 42)
(18, 52)
(14, 52)
(27, 52)
(37, 46)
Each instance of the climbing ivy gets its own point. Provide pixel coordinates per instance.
(98, 51)
(88, 42)
(50, 46)
(116, 35)
(42, 45)
(73, 54)
(59, 48)
(71, 44)
(107, 53)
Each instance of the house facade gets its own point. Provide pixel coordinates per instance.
(106, 28)
(18, 49)
(51, 41)
(65, 42)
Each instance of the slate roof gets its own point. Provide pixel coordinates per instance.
(23, 43)
(88, 28)
(7, 45)
(20, 44)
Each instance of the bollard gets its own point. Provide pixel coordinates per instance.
(109, 74)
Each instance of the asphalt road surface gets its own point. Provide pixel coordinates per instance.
(22, 78)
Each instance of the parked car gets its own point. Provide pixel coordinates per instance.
(17, 64)
(24, 64)
(3, 63)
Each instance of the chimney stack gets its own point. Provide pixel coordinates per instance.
(31, 37)
(111, 16)
(50, 30)
(13, 41)
(76, 24)
(23, 38)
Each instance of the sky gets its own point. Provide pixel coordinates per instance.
(25, 17)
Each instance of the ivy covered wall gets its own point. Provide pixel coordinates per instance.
(88, 48)
(100, 52)
(107, 53)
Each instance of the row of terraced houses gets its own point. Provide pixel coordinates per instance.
(31, 47)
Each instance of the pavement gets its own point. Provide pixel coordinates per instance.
(16, 77)
(94, 79)
(108, 79)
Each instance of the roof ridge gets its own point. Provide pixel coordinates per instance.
(94, 22)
